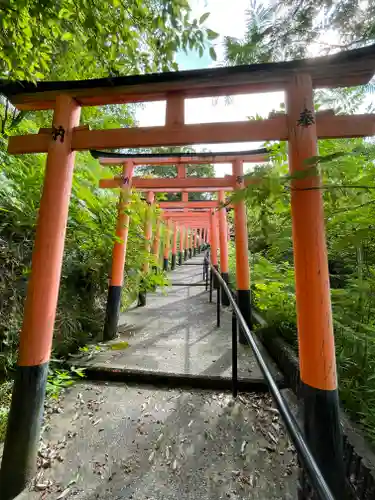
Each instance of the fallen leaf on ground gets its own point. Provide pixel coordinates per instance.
(64, 493)
(119, 346)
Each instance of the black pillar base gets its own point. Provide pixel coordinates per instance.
(112, 313)
(165, 264)
(190, 253)
(244, 305)
(224, 298)
(185, 254)
(180, 257)
(323, 435)
(173, 262)
(142, 299)
(23, 432)
(194, 251)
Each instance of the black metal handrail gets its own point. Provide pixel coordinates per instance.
(307, 460)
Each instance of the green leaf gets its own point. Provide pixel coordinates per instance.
(213, 53)
(119, 346)
(66, 36)
(204, 17)
(211, 35)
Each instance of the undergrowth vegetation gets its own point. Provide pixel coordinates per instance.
(348, 170)
(87, 257)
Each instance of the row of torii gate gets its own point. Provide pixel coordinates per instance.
(187, 221)
(300, 126)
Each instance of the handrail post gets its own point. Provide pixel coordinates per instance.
(211, 277)
(313, 301)
(234, 354)
(206, 264)
(218, 304)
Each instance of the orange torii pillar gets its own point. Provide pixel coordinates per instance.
(242, 252)
(156, 244)
(118, 258)
(195, 242)
(174, 246)
(186, 251)
(214, 245)
(182, 241)
(26, 412)
(223, 235)
(206, 236)
(190, 243)
(314, 313)
(148, 235)
(201, 239)
(167, 244)
(199, 233)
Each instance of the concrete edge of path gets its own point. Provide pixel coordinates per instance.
(176, 380)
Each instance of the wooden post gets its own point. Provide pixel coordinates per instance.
(223, 233)
(174, 246)
(118, 258)
(242, 252)
(142, 297)
(167, 244)
(314, 314)
(214, 245)
(24, 421)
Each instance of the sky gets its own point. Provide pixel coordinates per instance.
(227, 18)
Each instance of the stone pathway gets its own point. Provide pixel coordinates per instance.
(112, 441)
(176, 333)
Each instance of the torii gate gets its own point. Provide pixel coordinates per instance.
(171, 210)
(180, 160)
(300, 126)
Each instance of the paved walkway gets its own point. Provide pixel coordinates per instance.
(114, 441)
(110, 441)
(175, 337)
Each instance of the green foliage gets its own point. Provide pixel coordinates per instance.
(86, 38)
(291, 29)
(60, 379)
(5, 397)
(348, 169)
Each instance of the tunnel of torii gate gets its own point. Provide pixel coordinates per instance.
(299, 125)
(188, 219)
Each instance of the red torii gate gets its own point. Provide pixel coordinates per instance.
(185, 185)
(300, 126)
